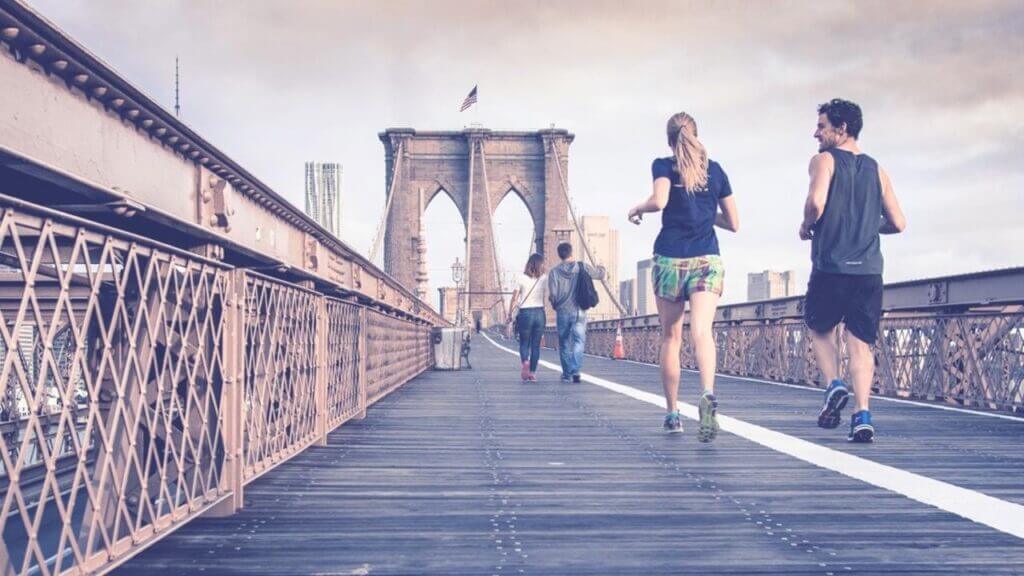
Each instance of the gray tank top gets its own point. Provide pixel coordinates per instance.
(846, 236)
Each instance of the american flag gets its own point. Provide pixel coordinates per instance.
(469, 101)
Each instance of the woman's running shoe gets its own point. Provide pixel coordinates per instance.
(708, 408)
(673, 423)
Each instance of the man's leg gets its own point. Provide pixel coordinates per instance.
(563, 324)
(579, 337)
(826, 353)
(862, 370)
(862, 323)
(827, 296)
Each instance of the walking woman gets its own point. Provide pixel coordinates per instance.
(693, 195)
(528, 298)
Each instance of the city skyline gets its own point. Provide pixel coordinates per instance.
(755, 106)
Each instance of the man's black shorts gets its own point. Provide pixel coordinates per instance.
(853, 299)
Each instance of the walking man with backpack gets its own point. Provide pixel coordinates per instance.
(571, 292)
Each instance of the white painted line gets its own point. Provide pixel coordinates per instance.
(819, 391)
(999, 514)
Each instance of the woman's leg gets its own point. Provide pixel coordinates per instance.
(702, 315)
(538, 331)
(671, 316)
(523, 333)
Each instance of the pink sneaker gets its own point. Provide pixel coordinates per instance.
(524, 374)
(533, 377)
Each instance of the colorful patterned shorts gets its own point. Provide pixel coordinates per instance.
(676, 278)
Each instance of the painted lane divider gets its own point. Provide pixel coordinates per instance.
(975, 506)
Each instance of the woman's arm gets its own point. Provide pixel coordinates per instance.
(729, 217)
(512, 304)
(655, 203)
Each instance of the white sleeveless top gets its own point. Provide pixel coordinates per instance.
(536, 298)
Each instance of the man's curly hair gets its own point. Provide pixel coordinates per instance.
(841, 111)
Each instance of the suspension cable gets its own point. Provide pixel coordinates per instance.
(494, 237)
(579, 232)
(375, 247)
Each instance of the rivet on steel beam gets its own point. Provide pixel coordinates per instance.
(161, 131)
(59, 65)
(10, 33)
(132, 113)
(172, 139)
(147, 122)
(99, 91)
(37, 49)
(117, 102)
(81, 78)
(204, 160)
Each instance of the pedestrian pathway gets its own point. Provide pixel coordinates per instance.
(473, 472)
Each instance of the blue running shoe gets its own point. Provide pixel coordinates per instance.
(673, 424)
(836, 397)
(861, 429)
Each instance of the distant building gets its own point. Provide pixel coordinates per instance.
(603, 242)
(645, 288)
(448, 297)
(627, 296)
(323, 195)
(769, 284)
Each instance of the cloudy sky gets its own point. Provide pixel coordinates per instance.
(275, 83)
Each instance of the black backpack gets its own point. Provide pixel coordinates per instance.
(586, 295)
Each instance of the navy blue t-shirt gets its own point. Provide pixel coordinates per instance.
(688, 220)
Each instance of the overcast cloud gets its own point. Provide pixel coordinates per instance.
(274, 84)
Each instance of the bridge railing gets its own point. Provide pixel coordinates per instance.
(933, 344)
(144, 385)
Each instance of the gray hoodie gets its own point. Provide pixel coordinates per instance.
(562, 285)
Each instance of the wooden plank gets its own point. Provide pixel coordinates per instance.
(472, 472)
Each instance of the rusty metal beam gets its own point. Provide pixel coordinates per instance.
(69, 109)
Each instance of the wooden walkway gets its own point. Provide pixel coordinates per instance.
(473, 472)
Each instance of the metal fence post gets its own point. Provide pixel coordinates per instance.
(233, 397)
(362, 355)
(322, 401)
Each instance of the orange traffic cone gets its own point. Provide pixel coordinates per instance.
(619, 352)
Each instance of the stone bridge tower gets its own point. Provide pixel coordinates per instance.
(476, 167)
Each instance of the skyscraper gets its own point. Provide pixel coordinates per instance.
(770, 284)
(627, 296)
(645, 288)
(323, 195)
(603, 242)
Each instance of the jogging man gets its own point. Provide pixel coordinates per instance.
(570, 320)
(850, 202)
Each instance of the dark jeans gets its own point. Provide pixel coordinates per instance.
(530, 326)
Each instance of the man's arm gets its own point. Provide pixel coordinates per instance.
(893, 220)
(597, 273)
(820, 170)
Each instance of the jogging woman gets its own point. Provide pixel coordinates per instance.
(693, 195)
(528, 298)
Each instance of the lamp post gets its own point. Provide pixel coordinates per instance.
(458, 276)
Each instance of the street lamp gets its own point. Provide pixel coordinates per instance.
(458, 276)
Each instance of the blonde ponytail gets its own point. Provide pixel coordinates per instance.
(691, 156)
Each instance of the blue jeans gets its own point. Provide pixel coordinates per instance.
(572, 337)
(530, 326)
